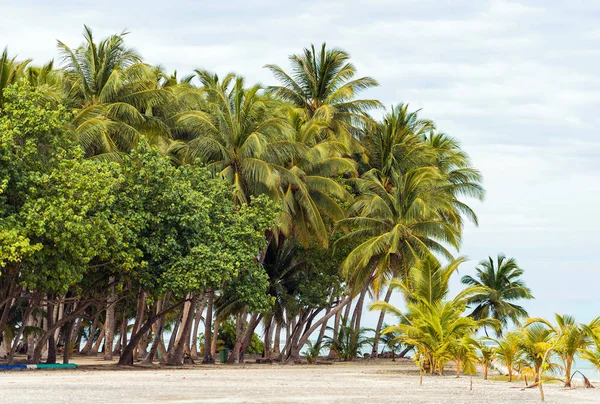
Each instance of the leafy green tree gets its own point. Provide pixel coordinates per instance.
(55, 205)
(503, 286)
(191, 235)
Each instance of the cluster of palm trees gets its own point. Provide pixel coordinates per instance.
(438, 331)
(366, 205)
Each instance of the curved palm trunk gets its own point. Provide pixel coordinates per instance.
(157, 329)
(96, 347)
(177, 357)
(197, 319)
(91, 337)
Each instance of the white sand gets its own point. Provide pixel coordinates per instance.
(362, 382)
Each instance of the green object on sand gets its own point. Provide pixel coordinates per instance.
(223, 355)
(57, 366)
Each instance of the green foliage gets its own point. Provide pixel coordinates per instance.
(348, 342)
(56, 204)
(501, 287)
(313, 351)
(227, 335)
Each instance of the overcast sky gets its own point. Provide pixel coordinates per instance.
(516, 82)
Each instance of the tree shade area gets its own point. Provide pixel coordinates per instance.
(137, 206)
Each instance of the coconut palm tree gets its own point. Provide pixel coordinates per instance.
(237, 135)
(508, 351)
(396, 226)
(433, 329)
(487, 355)
(537, 343)
(312, 187)
(396, 143)
(323, 83)
(575, 339)
(504, 286)
(113, 92)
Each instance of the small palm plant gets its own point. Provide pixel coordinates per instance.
(508, 352)
(349, 341)
(575, 338)
(313, 351)
(486, 356)
(391, 341)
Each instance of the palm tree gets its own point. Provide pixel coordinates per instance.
(11, 71)
(396, 143)
(575, 339)
(396, 226)
(537, 342)
(238, 136)
(313, 189)
(323, 84)
(434, 329)
(349, 341)
(508, 351)
(503, 287)
(113, 92)
(486, 356)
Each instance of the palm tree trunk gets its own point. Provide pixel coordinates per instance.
(277, 339)
(60, 308)
(215, 337)
(67, 339)
(51, 340)
(268, 339)
(91, 337)
(568, 366)
(197, 319)
(188, 318)
(336, 325)
(208, 358)
(139, 318)
(110, 322)
(375, 350)
(356, 316)
(96, 347)
(241, 322)
(157, 330)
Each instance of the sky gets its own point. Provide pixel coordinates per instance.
(516, 82)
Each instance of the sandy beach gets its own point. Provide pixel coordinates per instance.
(360, 382)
